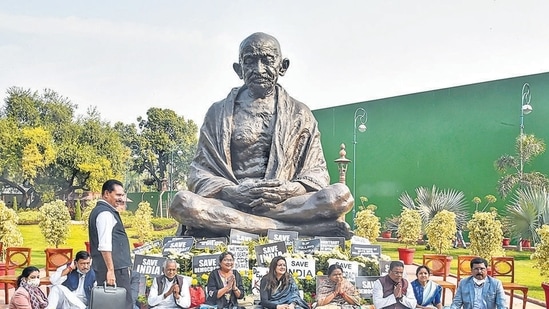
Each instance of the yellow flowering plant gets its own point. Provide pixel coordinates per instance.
(541, 254)
(366, 222)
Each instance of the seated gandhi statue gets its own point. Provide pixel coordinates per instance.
(259, 163)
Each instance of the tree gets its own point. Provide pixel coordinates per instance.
(49, 152)
(55, 222)
(511, 169)
(143, 218)
(162, 146)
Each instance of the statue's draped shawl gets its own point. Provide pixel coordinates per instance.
(296, 153)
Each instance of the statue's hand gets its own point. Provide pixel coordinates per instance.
(241, 194)
(272, 192)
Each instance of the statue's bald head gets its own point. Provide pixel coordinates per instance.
(260, 64)
(257, 41)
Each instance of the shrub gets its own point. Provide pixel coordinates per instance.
(29, 217)
(54, 222)
(485, 235)
(160, 224)
(367, 223)
(143, 216)
(90, 205)
(77, 211)
(409, 228)
(10, 235)
(541, 255)
(441, 231)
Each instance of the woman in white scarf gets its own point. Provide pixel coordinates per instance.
(428, 293)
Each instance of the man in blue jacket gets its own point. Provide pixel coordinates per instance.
(72, 283)
(479, 291)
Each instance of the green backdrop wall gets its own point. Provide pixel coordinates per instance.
(448, 137)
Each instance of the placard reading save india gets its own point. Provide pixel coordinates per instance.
(265, 253)
(148, 265)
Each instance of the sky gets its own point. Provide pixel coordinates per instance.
(126, 56)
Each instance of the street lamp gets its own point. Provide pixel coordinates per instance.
(361, 117)
(525, 109)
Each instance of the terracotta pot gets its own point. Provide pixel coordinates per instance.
(87, 243)
(137, 244)
(525, 243)
(386, 234)
(545, 287)
(406, 255)
(506, 241)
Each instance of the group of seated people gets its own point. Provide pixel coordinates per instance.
(72, 285)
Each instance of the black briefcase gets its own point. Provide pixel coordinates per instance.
(107, 297)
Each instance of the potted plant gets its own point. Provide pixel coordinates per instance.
(527, 212)
(408, 233)
(366, 222)
(441, 231)
(485, 234)
(390, 226)
(541, 259)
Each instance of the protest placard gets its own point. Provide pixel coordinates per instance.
(265, 253)
(257, 274)
(303, 267)
(210, 243)
(384, 267)
(241, 256)
(205, 263)
(327, 244)
(148, 246)
(366, 250)
(365, 285)
(238, 237)
(279, 235)
(350, 268)
(307, 246)
(177, 246)
(170, 238)
(148, 265)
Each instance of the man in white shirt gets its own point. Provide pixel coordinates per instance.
(392, 290)
(72, 284)
(170, 290)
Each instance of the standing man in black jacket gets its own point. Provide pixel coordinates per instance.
(109, 245)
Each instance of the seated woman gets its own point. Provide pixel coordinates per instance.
(278, 289)
(224, 284)
(28, 294)
(426, 291)
(337, 291)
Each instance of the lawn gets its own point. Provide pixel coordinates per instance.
(525, 274)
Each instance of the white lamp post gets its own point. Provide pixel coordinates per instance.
(361, 117)
(525, 109)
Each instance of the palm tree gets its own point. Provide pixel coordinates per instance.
(429, 202)
(528, 211)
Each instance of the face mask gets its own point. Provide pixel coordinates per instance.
(34, 282)
(478, 282)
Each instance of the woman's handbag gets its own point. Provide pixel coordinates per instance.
(106, 296)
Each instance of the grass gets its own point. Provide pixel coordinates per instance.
(524, 273)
